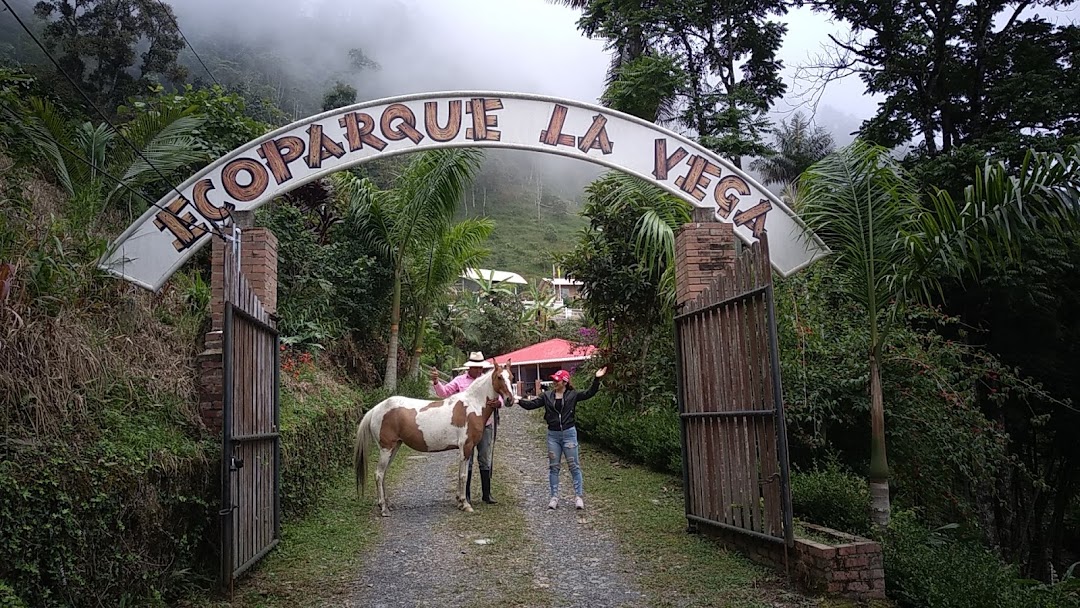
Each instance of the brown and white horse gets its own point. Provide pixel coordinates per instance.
(454, 423)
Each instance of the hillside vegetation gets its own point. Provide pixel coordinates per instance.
(535, 205)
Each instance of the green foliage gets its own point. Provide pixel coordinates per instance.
(832, 497)
(798, 146)
(8, 598)
(227, 122)
(1017, 78)
(339, 96)
(93, 526)
(627, 279)
(933, 568)
(650, 436)
(946, 451)
(646, 87)
(77, 152)
(100, 41)
(732, 44)
(325, 290)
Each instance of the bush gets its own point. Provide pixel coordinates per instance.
(928, 568)
(95, 526)
(832, 497)
(650, 437)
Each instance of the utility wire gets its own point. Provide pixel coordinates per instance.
(168, 11)
(101, 170)
(91, 102)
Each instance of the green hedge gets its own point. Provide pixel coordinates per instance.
(928, 568)
(650, 437)
(94, 527)
(832, 497)
(102, 525)
(317, 437)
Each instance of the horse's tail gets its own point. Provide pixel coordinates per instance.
(363, 436)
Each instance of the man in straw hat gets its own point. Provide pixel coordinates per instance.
(474, 368)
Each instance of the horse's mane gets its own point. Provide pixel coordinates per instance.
(475, 387)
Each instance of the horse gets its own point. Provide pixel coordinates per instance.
(454, 423)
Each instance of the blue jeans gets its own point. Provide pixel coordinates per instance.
(562, 443)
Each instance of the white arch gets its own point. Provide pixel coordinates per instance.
(159, 242)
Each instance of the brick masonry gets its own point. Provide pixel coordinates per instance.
(852, 567)
(704, 250)
(258, 262)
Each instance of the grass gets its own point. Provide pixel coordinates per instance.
(507, 554)
(319, 554)
(645, 511)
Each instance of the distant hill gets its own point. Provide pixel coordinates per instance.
(535, 201)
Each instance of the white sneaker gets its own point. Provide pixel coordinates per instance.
(554, 502)
(579, 503)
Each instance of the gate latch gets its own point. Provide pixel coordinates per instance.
(236, 464)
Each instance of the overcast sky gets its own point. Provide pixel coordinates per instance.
(517, 45)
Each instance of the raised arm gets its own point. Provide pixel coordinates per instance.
(589, 392)
(445, 390)
(595, 386)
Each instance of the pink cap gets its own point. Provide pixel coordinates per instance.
(562, 376)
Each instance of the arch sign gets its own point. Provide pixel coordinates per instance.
(164, 237)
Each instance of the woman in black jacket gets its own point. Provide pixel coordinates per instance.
(559, 404)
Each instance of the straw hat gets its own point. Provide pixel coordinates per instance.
(476, 359)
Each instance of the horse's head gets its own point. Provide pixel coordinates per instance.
(502, 382)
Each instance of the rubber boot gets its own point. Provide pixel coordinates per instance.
(468, 487)
(485, 480)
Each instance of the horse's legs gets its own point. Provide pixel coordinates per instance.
(389, 461)
(385, 456)
(463, 469)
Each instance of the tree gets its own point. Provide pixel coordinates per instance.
(798, 145)
(164, 135)
(890, 250)
(99, 41)
(339, 96)
(400, 221)
(726, 50)
(437, 266)
(948, 77)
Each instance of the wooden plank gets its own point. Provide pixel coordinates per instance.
(769, 465)
(754, 403)
(704, 354)
(738, 486)
(698, 479)
(754, 394)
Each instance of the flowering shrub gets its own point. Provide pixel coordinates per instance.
(298, 365)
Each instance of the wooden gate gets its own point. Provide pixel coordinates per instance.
(735, 461)
(251, 450)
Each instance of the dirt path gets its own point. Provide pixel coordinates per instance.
(527, 556)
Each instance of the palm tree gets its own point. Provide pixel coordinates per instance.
(654, 234)
(403, 220)
(436, 268)
(799, 145)
(890, 249)
(539, 309)
(80, 153)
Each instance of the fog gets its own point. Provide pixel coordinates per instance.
(297, 49)
(528, 46)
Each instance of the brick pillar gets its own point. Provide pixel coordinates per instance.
(703, 250)
(258, 262)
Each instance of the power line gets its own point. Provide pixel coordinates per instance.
(90, 101)
(168, 11)
(119, 182)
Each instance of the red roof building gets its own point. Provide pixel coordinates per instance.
(541, 360)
